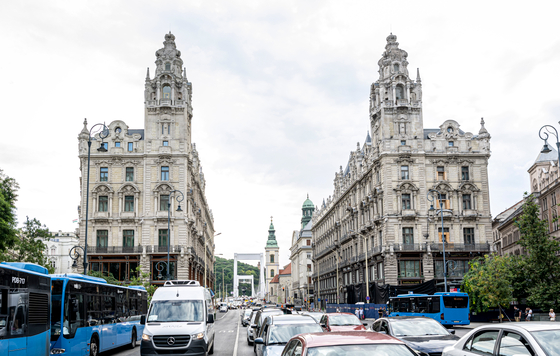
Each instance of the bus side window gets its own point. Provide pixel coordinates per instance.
(422, 305)
(3, 313)
(434, 305)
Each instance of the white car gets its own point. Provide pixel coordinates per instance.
(223, 308)
(525, 338)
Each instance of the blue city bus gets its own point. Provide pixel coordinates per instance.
(447, 308)
(90, 316)
(25, 306)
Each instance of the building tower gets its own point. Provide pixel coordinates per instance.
(307, 212)
(134, 185)
(272, 257)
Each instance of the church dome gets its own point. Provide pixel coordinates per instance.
(308, 204)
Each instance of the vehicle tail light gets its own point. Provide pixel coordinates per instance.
(469, 317)
(441, 316)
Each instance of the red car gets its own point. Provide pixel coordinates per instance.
(342, 322)
(346, 344)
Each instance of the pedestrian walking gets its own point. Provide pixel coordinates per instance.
(517, 313)
(552, 315)
(357, 312)
(528, 314)
(361, 314)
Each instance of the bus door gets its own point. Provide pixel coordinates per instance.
(17, 327)
(4, 321)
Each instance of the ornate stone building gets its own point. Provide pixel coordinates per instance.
(301, 257)
(140, 175)
(380, 198)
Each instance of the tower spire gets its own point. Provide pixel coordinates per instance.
(418, 80)
(148, 74)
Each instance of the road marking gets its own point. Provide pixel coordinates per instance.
(236, 338)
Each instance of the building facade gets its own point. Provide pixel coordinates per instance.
(301, 257)
(58, 250)
(379, 206)
(138, 184)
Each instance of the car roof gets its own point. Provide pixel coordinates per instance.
(291, 319)
(340, 314)
(532, 326)
(347, 338)
(405, 317)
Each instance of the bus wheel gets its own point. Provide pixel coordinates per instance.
(133, 341)
(94, 347)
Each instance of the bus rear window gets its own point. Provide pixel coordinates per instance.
(456, 302)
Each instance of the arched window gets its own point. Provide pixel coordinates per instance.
(167, 66)
(166, 92)
(396, 67)
(399, 92)
(271, 273)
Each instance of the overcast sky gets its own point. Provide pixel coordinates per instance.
(280, 92)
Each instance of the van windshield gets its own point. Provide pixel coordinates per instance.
(162, 311)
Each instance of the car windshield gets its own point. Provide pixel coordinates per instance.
(365, 350)
(280, 334)
(176, 311)
(549, 340)
(340, 320)
(417, 327)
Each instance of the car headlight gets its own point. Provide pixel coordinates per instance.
(146, 337)
(198, 336)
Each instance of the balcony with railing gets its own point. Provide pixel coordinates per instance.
(114, 249)
(460, 247)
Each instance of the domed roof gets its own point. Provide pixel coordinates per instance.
(308, 204)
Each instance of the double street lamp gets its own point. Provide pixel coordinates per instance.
(160, 264)
(431, 196)
(104, 133)
(544, 133)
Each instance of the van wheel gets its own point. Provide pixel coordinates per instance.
(93, 347)
(133, 340)
(211, 351)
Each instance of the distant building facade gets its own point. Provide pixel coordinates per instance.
(301, 257)
(380, 198)
(141, 173)
(58, 250)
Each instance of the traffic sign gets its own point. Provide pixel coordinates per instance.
(367, 298)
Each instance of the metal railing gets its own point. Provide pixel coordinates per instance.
(114, 249)
(451, 246)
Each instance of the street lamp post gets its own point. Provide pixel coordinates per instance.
(179, 200)
(214, 284)
(544, 133)
(367, 268)
(223, 283)
(102, 135)
(430, 197)
(219, 233)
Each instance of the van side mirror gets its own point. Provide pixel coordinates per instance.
(143, 320)
(210, 318)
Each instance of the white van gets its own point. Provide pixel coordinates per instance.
(180, 321)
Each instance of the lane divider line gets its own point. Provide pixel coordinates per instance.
(236, 338)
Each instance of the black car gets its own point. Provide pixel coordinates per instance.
(425, 335)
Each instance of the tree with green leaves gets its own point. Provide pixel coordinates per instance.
(8, 221)
(143, 279)
(488, 282)
(106, 276)
(29, 245)
(540, 266)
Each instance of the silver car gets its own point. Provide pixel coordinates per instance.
(525, 338)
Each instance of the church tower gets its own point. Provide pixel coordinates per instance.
(307, 212)
(396, 103)
(272, 262)
(167, 101)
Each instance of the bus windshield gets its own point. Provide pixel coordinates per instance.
(176, 311)
(56, 300)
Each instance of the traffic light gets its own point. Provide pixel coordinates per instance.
(282, 289)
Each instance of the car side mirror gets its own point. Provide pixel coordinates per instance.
(210, 318)
(143, 320)
(364, 324)
(323, 325)
(259, 341)
(254, 326)
(452, 331)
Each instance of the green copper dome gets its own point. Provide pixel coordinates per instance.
(308, 204)
(307, 211)
(271, 242)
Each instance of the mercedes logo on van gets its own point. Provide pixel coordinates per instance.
(171, 341)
